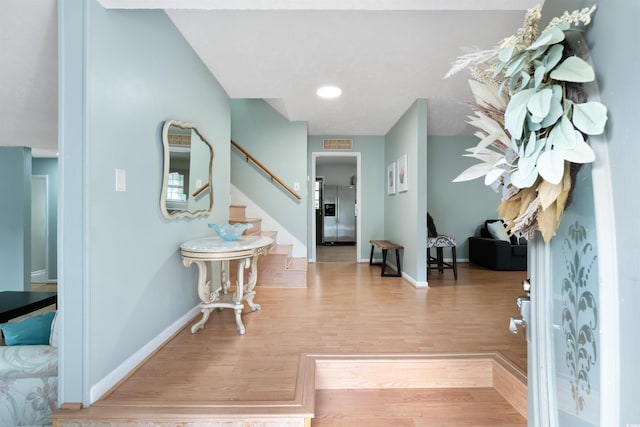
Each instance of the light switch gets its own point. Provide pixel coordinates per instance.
(121, 180)
(296, 186)
(198, 183)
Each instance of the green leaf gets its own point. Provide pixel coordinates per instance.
(547, 38)
(534, 146)
(516, 112)
(516, 65)
(573, 69)
(551, 166)
(505, 54)
(563, 134)
(526, 174)
(555, 108)
(524, 80)
(581, 152)
(538, 76)
(590, 117)
(553, 57)
(540, 103)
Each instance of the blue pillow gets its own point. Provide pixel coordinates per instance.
(30, 331)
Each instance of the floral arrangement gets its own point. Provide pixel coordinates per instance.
(533, 120)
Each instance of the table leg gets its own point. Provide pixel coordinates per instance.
(251, 284)
(224, 276)
(239, 294)
(205, 292)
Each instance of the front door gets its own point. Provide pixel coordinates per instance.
(571, 359)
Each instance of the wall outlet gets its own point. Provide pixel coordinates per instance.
(121, 180)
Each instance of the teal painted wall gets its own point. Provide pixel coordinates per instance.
(118, 87)
(371, 149)
(15, 219)
(337, 174)
(458, 208)
(405, 214)
(49, 167)
(281, 146)
(612, 38)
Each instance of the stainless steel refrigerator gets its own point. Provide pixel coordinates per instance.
(339, 214)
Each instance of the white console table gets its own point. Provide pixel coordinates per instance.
(246, 250)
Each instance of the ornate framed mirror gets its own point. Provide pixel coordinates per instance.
(187, 183)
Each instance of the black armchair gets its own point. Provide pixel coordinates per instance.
(497, 253)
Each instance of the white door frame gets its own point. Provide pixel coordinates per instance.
(314, 157)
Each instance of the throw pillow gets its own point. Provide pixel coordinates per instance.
(497, 231)
(30, 331)
(55, 325)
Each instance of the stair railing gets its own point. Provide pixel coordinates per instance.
(271, 175)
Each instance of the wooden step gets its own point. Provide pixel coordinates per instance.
(331, 373)
(272, 273)
(273, 235)
(237, 211)
(256, 222)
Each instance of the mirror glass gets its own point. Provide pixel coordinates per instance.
(187, 186)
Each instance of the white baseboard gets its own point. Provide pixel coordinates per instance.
(114, 377)
(39, 276)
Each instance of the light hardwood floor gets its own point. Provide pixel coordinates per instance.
(346, 309)
(336, 253)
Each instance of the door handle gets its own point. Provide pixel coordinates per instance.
(524, 307)
(515, 322)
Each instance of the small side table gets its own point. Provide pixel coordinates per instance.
(246, 250)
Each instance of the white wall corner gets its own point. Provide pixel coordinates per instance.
(268, 223)
(413, 281)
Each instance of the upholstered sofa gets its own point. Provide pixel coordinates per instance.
(496, 250)
(29, 382)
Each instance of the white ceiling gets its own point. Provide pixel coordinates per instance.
(382, 53)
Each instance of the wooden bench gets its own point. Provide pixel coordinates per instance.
(385, 245)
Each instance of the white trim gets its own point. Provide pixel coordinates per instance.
(115, 376)
(542, 394)
(608, 291)
(314, 156)
(268, 222)
(608, 288)
(413, 282)
(39, 276)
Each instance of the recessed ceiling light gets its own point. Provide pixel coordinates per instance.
(329, 92)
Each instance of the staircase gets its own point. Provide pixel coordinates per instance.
(278, 269)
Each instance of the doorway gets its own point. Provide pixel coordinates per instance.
(336, 176)
(39, 228)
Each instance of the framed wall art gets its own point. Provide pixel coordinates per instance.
(391, 178)
(402, 182)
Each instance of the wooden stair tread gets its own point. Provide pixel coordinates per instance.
(300, 264)
(270, 234)
(277, 268)
(280, 249)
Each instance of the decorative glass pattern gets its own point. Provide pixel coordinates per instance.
(580, 313)
(574, 259)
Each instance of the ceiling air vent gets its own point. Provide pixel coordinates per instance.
(338, 144)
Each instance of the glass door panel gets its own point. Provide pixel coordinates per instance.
(575, 310)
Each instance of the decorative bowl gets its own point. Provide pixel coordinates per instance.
(230, 232)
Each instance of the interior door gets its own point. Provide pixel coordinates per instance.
(565, 351)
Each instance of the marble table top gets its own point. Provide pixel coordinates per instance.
(215, 244)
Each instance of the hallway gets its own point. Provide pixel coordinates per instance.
(347, 309)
